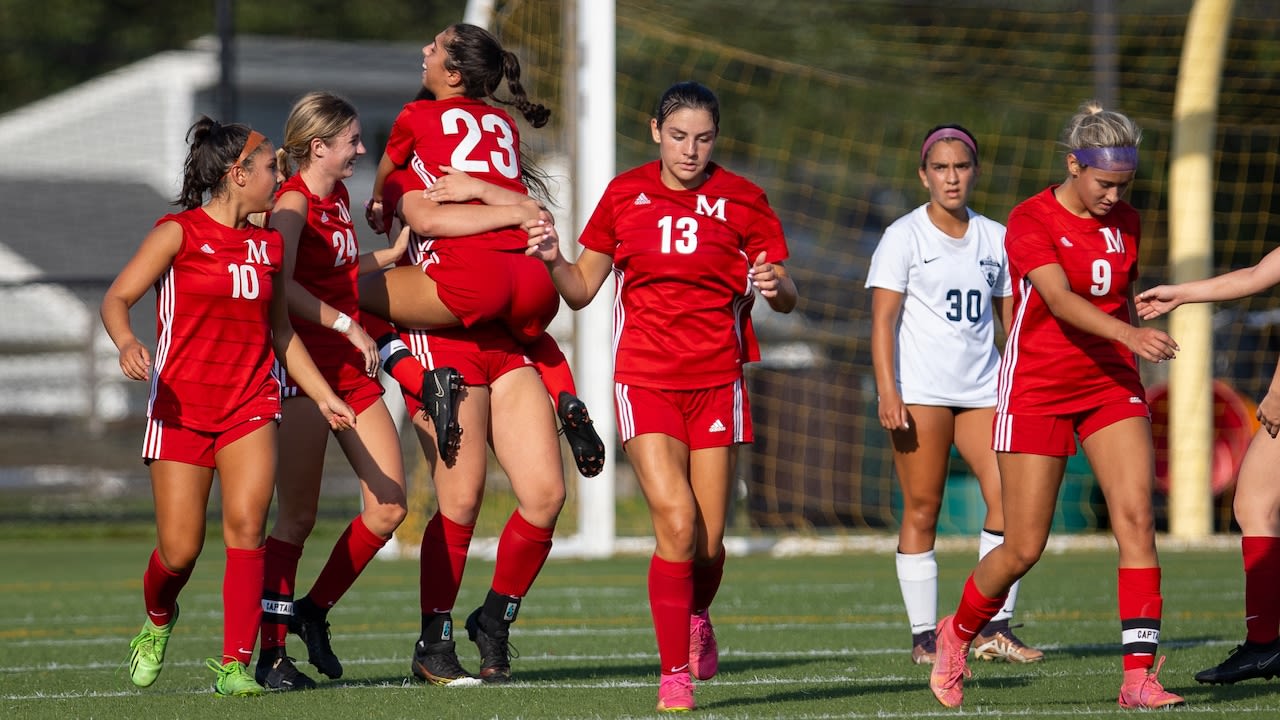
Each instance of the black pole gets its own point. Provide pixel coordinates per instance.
(225, 12)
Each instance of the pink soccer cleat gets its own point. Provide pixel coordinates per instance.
(950, 667)
(675, 693)
(1141, 690)
(704, 655)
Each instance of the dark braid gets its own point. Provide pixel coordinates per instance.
(536, 113)
(214, 149)
(476, 55)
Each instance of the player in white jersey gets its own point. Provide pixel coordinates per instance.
(938, 278)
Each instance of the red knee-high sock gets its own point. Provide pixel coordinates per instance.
(351, 554)
(394, 355)
(1140, 609)
(550, 362)
(160, 588)
(671, 602)
(522, 550)
(242, 602)
(706, 582)
(975, 610)
(441, 562)
(1261, 579)
(280, 573)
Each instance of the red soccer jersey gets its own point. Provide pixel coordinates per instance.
(213, 357)
(469, 135)
(682, 315)
(1050, 367)
(328, 265)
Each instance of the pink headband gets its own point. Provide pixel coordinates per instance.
(1110, 159)
(947, 134)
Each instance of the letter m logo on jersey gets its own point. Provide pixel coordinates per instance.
(706, 208)
(257, 253)
(1115, 241)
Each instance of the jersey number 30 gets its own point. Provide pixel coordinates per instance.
(964, 306)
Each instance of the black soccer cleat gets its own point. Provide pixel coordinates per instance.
(1246, 662)
(313, 628)
(276, 671)
(440, 389)
(437, 663)
(495, 650)
(575, 423)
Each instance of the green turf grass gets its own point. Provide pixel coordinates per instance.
(807, 637)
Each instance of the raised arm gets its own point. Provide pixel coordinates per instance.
(577, 282)
(1233, 285)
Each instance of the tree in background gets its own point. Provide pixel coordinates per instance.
(50, 45)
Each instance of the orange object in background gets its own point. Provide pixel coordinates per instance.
(1234, 423)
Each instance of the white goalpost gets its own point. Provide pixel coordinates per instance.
(592, 77)
(589, 72)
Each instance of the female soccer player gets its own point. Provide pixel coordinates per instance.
(323, 262)
(688, 242)
(1257, 500)
(485, 276)
(501, 398)
(214, 403)
(1069, 369)
(937, 275)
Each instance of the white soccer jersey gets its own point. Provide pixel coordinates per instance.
(945, 352)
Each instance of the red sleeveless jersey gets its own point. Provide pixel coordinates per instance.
(213, 358)
(682, 314)
(1050, 367)
(469, 135)
(327, 265)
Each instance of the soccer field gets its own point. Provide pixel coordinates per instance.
(800, 637)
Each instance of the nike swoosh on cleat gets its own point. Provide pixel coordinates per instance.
(1264, 664)
(439, 387)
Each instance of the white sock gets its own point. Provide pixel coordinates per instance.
(918, 578)
(987, 542)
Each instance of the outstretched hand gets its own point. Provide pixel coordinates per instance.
(1157, 301)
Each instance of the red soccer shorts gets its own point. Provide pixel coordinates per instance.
(479, 285)
(481, 354)
(704, 418)
(1056, 434)
(166, 441)
(354, 387)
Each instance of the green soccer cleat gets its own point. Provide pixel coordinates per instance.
(233, 679)
(146, 651)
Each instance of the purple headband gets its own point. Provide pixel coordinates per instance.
(945, 134)
(1110, 159)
